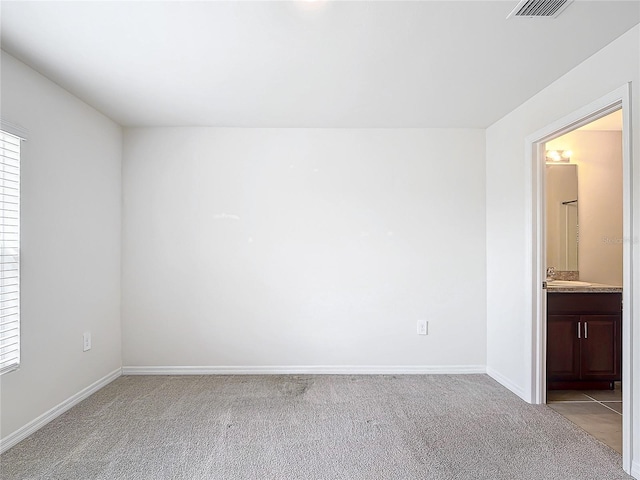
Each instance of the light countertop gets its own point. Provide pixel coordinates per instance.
(591, 288)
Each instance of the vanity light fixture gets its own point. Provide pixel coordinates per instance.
(557, 156)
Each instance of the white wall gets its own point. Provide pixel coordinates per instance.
(303, 247)
(71, 221)
(508, 318)
(598, 156)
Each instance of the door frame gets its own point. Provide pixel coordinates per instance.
(536, 296)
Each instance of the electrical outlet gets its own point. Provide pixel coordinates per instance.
(422, 327)
(86, 345)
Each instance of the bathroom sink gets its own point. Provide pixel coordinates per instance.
(567, 283)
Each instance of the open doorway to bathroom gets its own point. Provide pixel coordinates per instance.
(584, 276)
(618, 99)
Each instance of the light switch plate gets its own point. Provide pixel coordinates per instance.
(86, 345)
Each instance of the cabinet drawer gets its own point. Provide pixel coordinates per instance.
(583, 303)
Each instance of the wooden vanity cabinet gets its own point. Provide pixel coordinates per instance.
(584, 337)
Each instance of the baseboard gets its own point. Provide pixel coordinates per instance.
(505, 382)
(635, 470)
(306, 369)
(23, 432)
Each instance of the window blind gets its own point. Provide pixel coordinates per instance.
(9, 252)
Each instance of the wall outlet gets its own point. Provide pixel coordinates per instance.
(86, 344)
(422, 327)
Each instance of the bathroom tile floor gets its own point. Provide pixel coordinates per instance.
(599, 412)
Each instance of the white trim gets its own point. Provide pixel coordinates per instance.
(14, 438)
(306, 369)
(630, 297)
(635, 470)
(508, 384)
(14, 129)
(536, 299)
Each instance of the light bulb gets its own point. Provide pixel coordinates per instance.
(554, 155)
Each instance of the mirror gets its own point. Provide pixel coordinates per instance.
(562, 216)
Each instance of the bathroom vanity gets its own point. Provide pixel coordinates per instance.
(584, 336)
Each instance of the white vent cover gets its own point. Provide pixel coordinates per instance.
(539, 8)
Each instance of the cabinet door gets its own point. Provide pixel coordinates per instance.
(563, 347)
(600, 348)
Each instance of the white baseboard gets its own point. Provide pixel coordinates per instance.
(306, 369)
(14, 438)
(505, 382)
(635, 470)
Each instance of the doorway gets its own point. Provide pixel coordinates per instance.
(619, 99)
(583, 243)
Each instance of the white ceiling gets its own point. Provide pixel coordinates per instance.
(304, 64)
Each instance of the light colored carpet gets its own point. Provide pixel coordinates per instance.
(309, 427)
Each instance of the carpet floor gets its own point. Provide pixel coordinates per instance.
(309, 427)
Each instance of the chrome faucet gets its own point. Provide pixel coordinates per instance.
(551, 273)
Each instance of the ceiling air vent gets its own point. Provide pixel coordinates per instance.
(539, 8)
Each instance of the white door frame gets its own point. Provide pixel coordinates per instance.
(535, 162)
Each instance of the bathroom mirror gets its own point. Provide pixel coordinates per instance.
(562, 216)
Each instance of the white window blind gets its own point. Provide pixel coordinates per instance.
(9, 252)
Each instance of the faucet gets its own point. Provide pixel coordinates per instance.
(551, 273)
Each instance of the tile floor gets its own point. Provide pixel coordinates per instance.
(599, 412)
